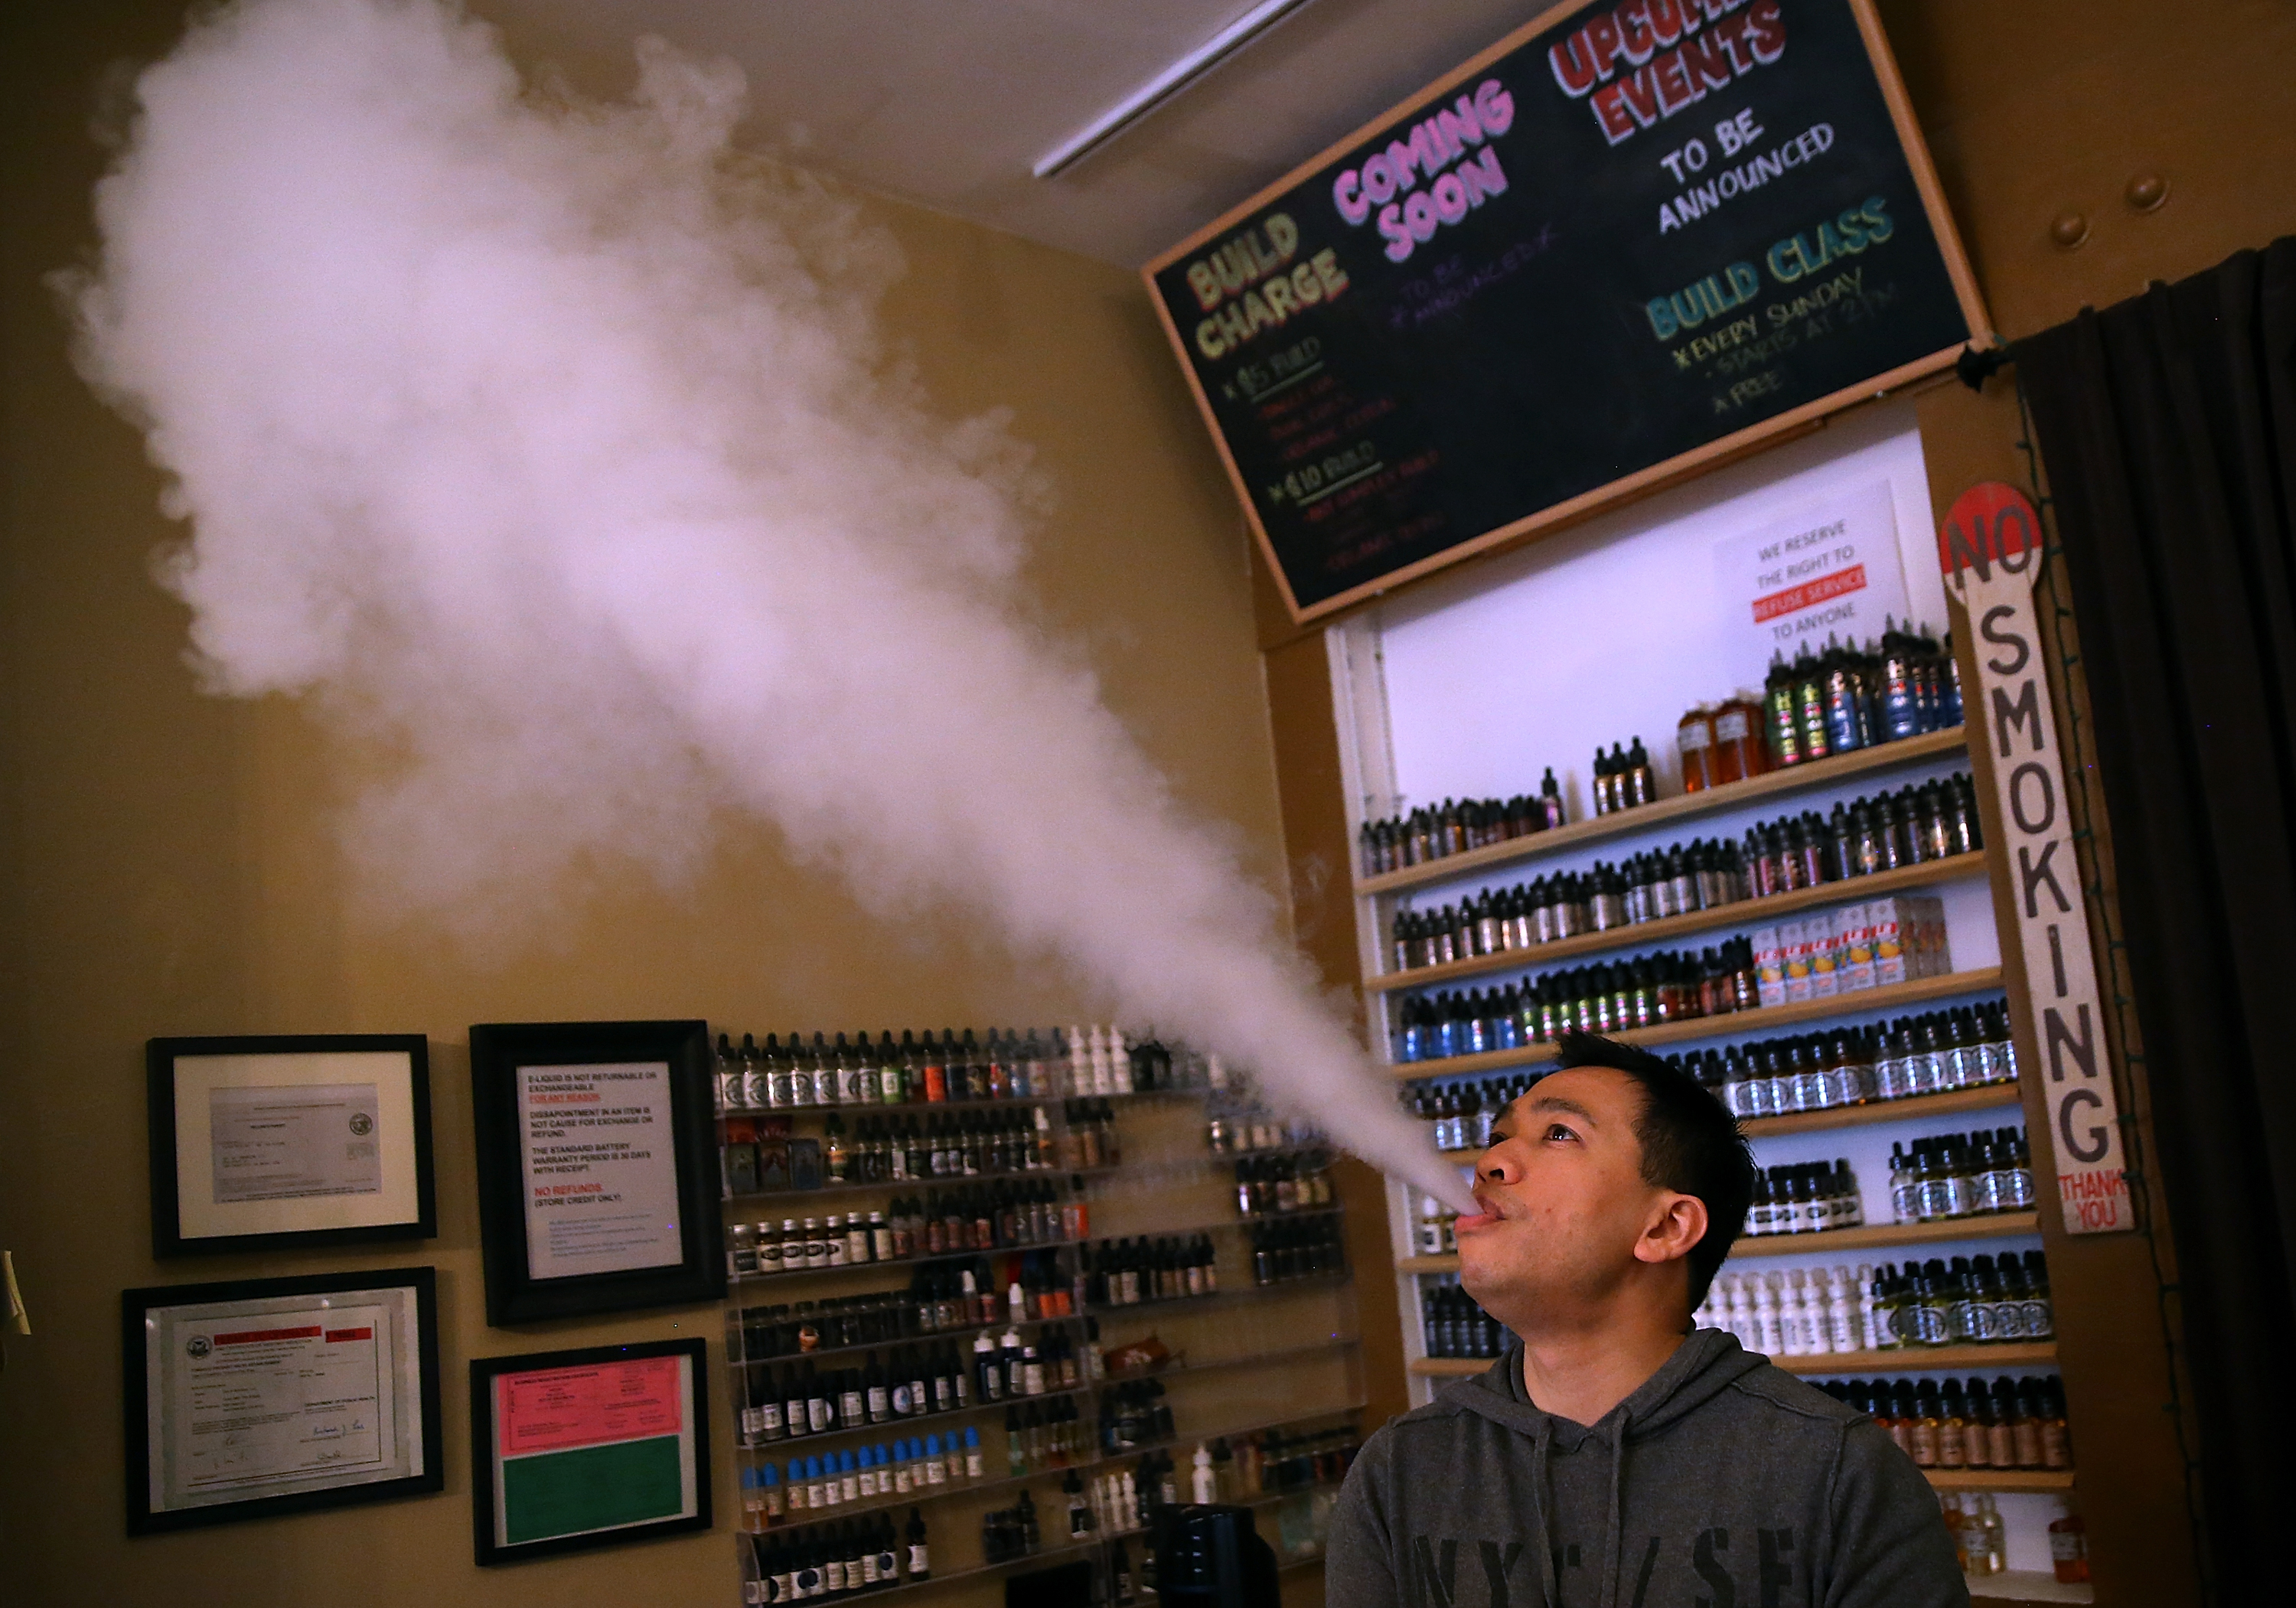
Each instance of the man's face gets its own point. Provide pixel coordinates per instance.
(1563, 1198)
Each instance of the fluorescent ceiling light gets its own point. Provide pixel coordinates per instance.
(1171, 82)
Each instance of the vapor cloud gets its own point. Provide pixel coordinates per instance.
(549, 444)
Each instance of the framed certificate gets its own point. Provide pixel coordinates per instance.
(320, 1139)
(597, 1162)
(279, 1396)
(574, 1449)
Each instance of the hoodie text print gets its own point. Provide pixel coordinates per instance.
(1721, 1482)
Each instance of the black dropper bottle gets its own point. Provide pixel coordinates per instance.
(920, 1560)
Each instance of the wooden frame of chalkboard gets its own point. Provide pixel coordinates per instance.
(1630, 241)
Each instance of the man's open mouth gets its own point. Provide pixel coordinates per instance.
(1469, 1222)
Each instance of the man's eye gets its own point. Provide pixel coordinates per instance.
(1555, 1130)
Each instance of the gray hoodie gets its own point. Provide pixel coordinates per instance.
(1721, 1482)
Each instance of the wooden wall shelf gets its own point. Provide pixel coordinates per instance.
(1879, 1236)
(1921, 991)
(1999, 1225)
(2027, 1480)
(1925, 1359)
(2014, 1586)
(1745, 911)
(1685, 807)
(1951, 1102)
(1965, 1358)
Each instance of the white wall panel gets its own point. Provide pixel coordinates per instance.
(1504, 667)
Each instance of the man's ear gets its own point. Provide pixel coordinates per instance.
(1675, 1225)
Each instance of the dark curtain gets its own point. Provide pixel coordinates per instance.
(2168, 426)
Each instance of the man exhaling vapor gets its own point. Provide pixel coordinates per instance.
(1615, 1457)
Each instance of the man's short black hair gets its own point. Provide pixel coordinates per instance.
(1690, 1145)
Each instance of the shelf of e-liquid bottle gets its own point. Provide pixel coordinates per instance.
(968, 1332)
(2000, 1224)
(1744, 911)
(981, 1571)
(864, 1107)
(1184, 1304)
(1222, 1225)
(1004, 1565)
(952, 1180)
(914, 1425)
(1948, 1104)
(975, 1572)
(1993, 1225)
(747, 1280)
(1142, 1165)
(2034, 1480)
(964, 1331)
(1228, 1224)
(1920, 1359)
(1337, 1342)
(800, 1517)
(1219, 1158)
(1624, 823)
(1893, 996)
(2027, 1587)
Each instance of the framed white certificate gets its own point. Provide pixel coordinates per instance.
(274, 1396)
(316, 1139)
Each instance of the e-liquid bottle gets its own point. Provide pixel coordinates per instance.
(756, 1079)
(920, 1558)
(2069, 1545)
(1641, 784)
(1838, 677)
(1694, 740)
(1809, 683)
(1550, 800)
(1900, 687)
(1780, 713)
(1949, 713)
(727, 1067)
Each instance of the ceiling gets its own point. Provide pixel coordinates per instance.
(948, 103)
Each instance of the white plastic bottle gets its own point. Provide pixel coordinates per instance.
(1841, 1315)
(1742, 1313)
(1818, 1331)
(1767, 1332)
(1080, 1063)
(1794, 1314)
(1119, 1062)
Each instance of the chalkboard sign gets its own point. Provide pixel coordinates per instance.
(1628, 240)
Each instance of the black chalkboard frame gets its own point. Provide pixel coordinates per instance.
(1650, 477)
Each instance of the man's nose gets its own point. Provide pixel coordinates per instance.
(1491, 1167)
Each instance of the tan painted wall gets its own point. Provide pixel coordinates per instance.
(2046, 107)
(165, 867)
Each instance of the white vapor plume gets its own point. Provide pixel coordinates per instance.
(549, 446)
